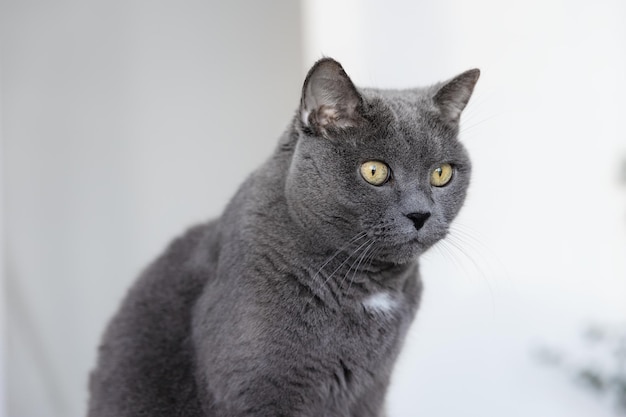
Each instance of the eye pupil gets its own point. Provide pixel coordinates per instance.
(441, 175)
(375, 172)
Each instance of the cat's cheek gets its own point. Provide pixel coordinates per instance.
(319, 216)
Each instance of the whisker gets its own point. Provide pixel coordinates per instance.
(487, 256)
(343, 263)
(457, 244)
(447, 253)
(354, 263)
(465, 128)
(372, 256)
(357, 268)
(356, 238)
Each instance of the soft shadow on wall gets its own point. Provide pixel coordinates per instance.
(123, 124)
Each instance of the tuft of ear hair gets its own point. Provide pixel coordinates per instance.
(452, 96)
(330, 101)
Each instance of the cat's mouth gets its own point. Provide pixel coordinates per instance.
(415, 240)
(410, 239)
(403, 244)
(401, 251)
(408, 247)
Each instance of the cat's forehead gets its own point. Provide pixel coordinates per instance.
(403, 103)
(406, 126)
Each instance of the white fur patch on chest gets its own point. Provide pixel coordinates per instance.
(381, 302)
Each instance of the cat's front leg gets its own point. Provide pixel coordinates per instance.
(371, 404)
(263, 398)
(270, 382)
(250, 364)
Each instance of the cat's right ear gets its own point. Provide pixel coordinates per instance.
(330, 101)
(452, 97)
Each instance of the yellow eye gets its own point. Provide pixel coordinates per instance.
(441, 175)
(375, 172)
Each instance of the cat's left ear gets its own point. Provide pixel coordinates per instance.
(330, 101)
(452, 97)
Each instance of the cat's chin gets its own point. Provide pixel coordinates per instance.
(404, 253)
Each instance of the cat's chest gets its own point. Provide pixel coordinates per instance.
(377, 312)
(385, 304)
(382, 303)
(364, 341)
(374, 322)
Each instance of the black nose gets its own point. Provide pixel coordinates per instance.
(418, 218)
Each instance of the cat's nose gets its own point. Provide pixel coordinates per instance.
(418, 218)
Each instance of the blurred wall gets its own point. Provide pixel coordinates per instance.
(3, 310)
(123, 123)
(539, 250)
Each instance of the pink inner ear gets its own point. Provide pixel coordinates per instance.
(329, 99)
(330, 115)
(327, 115)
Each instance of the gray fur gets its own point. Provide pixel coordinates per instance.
(263, 312)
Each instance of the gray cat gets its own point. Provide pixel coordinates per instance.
(296, 301)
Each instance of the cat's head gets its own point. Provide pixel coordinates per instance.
(381, 168)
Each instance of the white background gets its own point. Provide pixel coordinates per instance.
(125, 122)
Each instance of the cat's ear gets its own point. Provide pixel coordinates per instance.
(452, 96)
(329, 99)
